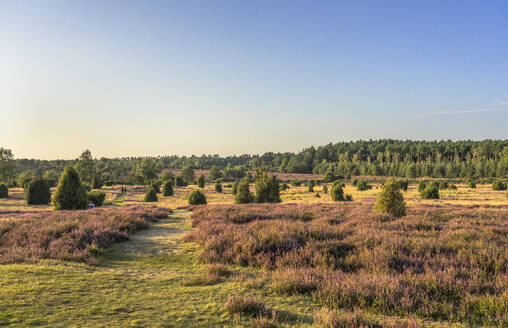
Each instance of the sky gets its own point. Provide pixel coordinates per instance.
(136, 78)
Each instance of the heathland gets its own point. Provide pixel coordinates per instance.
(255, 247)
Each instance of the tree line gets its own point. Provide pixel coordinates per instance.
(386, 157)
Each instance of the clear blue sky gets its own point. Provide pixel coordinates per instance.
(128, 78)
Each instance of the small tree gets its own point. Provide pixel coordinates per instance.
(218, 186)
(197, 197)
(51, 178)
(97, 197)
(25, 178)
(37, 192)
(499, 185)
(404, 184)
(201, 181)
(151, 195)
(325, 189)
(391, 201)
(215, 173)
(243, 194)
(363, 185)
(147, 170)
(97, 182)
(156, 185)
(421, 186)
(337, 193)
(431, 191)
(234, 188)
(188, 175)
(310, 185)
(4, 191)
(267, 188)
(167, 188)
(180, 182)
(70, 193)
(443, 185)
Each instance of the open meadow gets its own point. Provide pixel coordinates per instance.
(306, 262)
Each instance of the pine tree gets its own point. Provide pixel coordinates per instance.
(167, 188)
(70, 193)
(197, 197)
(391, 201)
(243, 194)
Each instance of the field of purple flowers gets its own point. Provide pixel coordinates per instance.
(70, 235)
(440, 264)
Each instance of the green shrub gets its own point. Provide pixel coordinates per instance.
(97, 182)
(218, 186)
(37, 192)
(317, 195)
(431, 191)
(499, 185)
(51, 178)
(156, 185)
(180, 182)
(452, 187)
(243, 194)
(201, 181)
(391, 201)
(25, 178)
(471, 185)
(348, 198)
(421, 185)
(97, 197)
(403, 184)
(284, 186)
(151, 195)
(167, 188)
(310, 185)
(325, 189)
(197, 197)
(234, 188)
(267, 188)
(188, 175)
(443, 185)
(4, 191)
(70, 193)
(87, 186)
(337, 193)
(296, 183)
(354, 182)
(363, 185)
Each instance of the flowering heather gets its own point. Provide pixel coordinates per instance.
(444, 264)
(70, 235)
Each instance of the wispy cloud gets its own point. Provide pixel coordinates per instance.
(501, 106)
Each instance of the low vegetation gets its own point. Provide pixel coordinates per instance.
(432, 264)
(70, 235)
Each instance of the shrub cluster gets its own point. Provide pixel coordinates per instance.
(337, 193)
(201, 181)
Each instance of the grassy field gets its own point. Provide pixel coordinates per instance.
(160, 278)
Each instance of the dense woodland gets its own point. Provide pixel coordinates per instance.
(411, 159)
